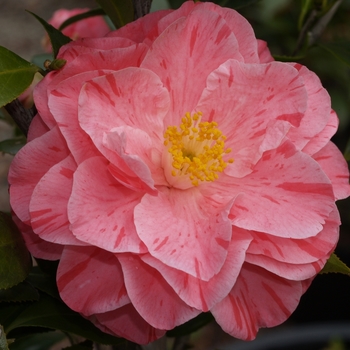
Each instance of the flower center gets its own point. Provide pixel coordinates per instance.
(197, 149)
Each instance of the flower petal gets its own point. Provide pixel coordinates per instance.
(258, 299)
(126, 322)
(180, 229)
(101, 210)
(336, 168)
(94, 272)
(201, 294)
(244, 99)
(176, 57)
(48, 204)
(151, 295)
(29, 165)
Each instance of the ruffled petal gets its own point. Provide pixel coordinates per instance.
(245, 100)
(48, 204)
(258, 299)
(100, 210)
(201, 294)
(151, 295)
(182, 230)
(96, 274)
(176, 57)
(336, 168)
(126, 322)
(30, 164)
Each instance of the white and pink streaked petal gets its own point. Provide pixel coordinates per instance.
(38, 247)
(258, 299)
(303, 251)
(134, 97)
(126, 322)
(318, 104)
(243, 31)
(182, 230)
(30, 164)
(100, 210)
(132, 165)
(176, 56)
(264, 52)
(48, 204)
(287, 195)
(94, 272)
(336, 168)
(294, 272)
(152, 296)
(246, 98)
(37, 128)
(322, 139)
(200, 294)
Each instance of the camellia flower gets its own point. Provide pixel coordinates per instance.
(91, 27)
(175, 168)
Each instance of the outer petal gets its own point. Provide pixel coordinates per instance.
(48, 204)
(101, 210)
(29, 166)
(201, 294)
(287, 195)
(38, 247)
(90, 280)
(258, 299)
(180, 229)
(176, 57)
(322, 139)
(245, 99)
(126, 322)
(264, 52)
(37, 128)
(302, 251)
(334, 165)
(318, 104)
(152, 297)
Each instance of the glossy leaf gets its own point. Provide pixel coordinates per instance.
(16, 75)
(15, 260)
(19, 293)
(305, 8)
(12, 146)
(51, 313)
(236, 4)
(120, 12)
(57, 38)
(86, 345)
(42, 341)
(334, 264)
(340, 49)
(43, 282)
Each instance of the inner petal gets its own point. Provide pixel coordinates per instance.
(195, 152)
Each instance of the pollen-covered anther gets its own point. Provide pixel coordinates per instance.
(197, 149)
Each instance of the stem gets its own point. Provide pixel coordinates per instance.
(141, 8)
(22, 117)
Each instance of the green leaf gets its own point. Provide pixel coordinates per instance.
(19, 293)
(87, 344)
(340, 50)
(288, 58)
(15, 260)
(192, 325)
(120, 12)
(42, 341)
(12, 146)
(16, 75)
(43, 282)
(236, 4)
(76, 18)
(56, 37)
(305, 8)
(51, 313)
(334, 264)
(3, 341)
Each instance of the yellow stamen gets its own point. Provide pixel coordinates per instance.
(197, 149)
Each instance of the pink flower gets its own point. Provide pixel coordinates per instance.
(92, 27)
(174, 168)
